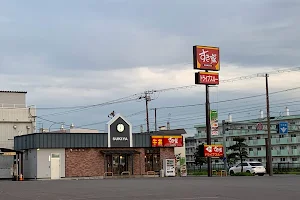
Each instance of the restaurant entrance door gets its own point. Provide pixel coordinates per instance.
(118, 162)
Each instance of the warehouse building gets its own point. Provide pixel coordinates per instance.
(16, 118)
(68, 154)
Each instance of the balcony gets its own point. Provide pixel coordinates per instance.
(294, 152)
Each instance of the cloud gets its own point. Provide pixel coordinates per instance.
(101, 50)
(150, 33)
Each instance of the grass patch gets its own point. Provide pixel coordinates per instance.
(242, 174)
(278, 172)
(198, 173)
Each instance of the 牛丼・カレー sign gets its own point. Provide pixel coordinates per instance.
(207, 78)
(173, 141)
(166, 141)
(206, 58)
(157, 141)
(213, 151)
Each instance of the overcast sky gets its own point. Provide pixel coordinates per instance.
(75, 52)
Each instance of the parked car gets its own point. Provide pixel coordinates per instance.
(252, 167)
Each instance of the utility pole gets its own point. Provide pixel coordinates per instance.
(224, 145)
(155, 123)
(147, 98)
(208, 129)
(269, 145)
(147, 112)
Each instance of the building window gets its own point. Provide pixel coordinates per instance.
(251, 160)
(250, 149)
(259, 160)
(293, 135)
(294, 159)
(249, 127)
(282, 147)
(294, 147)
(259, 149)
(216, 140)
(258, 137)
(282, 159)
(249, 138)
(281, 136)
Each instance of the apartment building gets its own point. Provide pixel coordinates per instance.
(285, 147)
(190, 148)
(16, 118)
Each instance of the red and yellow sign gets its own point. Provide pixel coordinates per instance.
(207, 78)
(213, 151)
(166, 141)
(206, 58)
(157, 141)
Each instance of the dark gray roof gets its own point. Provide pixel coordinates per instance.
(169, 132)
(113, 151)
(81, 140)
(9, 91)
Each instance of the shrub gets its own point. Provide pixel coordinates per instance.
(242, 174)
(198, 173)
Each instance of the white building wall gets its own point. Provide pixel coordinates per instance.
(180, 150)
(44, 162)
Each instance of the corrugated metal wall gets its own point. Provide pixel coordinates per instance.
(69, 140)
(6, 162)
(8, 132)
(14, 122)
(15, 114)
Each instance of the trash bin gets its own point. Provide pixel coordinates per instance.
(161, 173)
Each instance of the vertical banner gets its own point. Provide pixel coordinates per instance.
(214, 122)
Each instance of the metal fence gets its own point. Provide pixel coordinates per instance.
(277, 168)
(286, 167)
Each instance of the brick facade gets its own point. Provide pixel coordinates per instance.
(88, 162)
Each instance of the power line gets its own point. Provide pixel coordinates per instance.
(233, 79)
(228, 100)
(103, 122)
(92, 106)
(183, 87)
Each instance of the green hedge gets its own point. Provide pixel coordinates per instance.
(198, 173)
(242, 174)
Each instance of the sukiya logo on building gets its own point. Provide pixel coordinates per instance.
(120, 139)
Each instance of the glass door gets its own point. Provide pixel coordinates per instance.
(109, 166)
(115, 164)
(119, 163)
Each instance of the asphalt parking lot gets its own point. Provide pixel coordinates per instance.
(185, 188)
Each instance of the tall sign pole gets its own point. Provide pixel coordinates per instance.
(208, 128)
(269, 145)
(208, 59)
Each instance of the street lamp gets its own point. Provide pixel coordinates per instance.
(56, 123)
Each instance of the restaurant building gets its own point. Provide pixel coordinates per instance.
(58, 155)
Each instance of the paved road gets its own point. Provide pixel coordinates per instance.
(188, 188)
